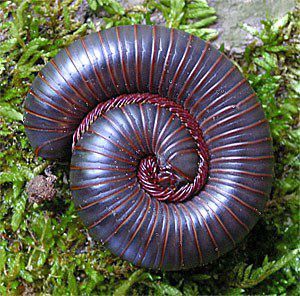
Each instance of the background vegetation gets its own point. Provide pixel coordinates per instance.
(44, 248)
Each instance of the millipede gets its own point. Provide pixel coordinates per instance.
(171, 159)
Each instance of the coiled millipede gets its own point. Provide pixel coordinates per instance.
(172, 159)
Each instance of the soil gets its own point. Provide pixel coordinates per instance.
(41, 188)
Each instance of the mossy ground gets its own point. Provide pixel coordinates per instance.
(45, 250)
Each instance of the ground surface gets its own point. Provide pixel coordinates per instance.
(232, 14)
(44, 248)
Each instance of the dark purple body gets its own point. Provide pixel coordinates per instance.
(105, 163)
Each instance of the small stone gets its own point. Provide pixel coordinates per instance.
(41, 189)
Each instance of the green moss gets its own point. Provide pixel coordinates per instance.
(44, 248)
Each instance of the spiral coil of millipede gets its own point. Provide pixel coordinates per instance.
(171, 155)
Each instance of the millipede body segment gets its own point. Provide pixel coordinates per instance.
(171, 155)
